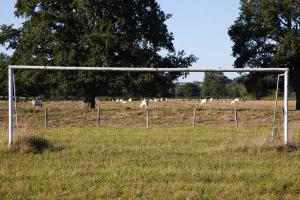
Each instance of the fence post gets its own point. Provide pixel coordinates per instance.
(236, 118)
(282, 116)
(46, 118)
(147, 118)
(16, 109)
(98, 117)
(194, 117)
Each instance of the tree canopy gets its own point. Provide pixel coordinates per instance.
(4, 61)
(214, 84)
(267, 34)
(188, 90)
(100, 33)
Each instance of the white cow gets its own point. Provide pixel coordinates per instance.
(235, 101)
(211, 99)
(144, 104)
(203, 101)
(130, 100)
(37, 102)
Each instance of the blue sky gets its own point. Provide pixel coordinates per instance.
(199, 26)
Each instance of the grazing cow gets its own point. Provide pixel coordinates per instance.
(235, 101)
(37, 102)
(144, 104)
(203, 101)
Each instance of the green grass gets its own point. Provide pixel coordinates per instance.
(185, 163)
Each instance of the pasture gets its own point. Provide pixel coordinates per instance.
(170, 160)
(173, 113)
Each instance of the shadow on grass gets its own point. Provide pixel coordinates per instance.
(288, 148)
(34, 144)
(266, 145)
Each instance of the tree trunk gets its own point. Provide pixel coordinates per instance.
(89, 97)
(297, 87)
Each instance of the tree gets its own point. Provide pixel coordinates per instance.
(214, 84)
(267, 34)
(259, 85)
(4, 62)
(92, 33)
(191, 90)
(188, 90)
(236, 88)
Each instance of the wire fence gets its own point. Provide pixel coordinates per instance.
(176, 113)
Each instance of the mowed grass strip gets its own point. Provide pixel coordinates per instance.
(210, 163)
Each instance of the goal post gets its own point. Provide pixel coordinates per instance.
(11, 69)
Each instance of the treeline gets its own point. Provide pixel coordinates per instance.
(217, 85)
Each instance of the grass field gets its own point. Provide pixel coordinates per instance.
(211, 161)
(181, 163)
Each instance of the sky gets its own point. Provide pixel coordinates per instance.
(199, 26)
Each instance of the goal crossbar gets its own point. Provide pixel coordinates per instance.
(142, 69)
(135, 69)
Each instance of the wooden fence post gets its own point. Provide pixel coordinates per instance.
(236, 118)
(282, 115)
(147, 118)
(46, 118)
(98, 117)
(194, 117)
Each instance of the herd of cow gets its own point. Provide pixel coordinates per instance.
(145, 103)
(36, 102)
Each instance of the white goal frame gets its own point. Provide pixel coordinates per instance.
(11, 69)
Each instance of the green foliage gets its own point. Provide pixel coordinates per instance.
(264, 84)
(188, 90)
(92, 33)
(236, 90)
(4, 62)
(214, 84)
(266, 34)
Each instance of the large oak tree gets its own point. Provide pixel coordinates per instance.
(100, 33)
(267, 34)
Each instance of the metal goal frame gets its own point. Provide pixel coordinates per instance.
(11, 69)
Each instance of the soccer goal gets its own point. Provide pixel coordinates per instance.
(11, 89)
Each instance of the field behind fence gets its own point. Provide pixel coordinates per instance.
(172, 113)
